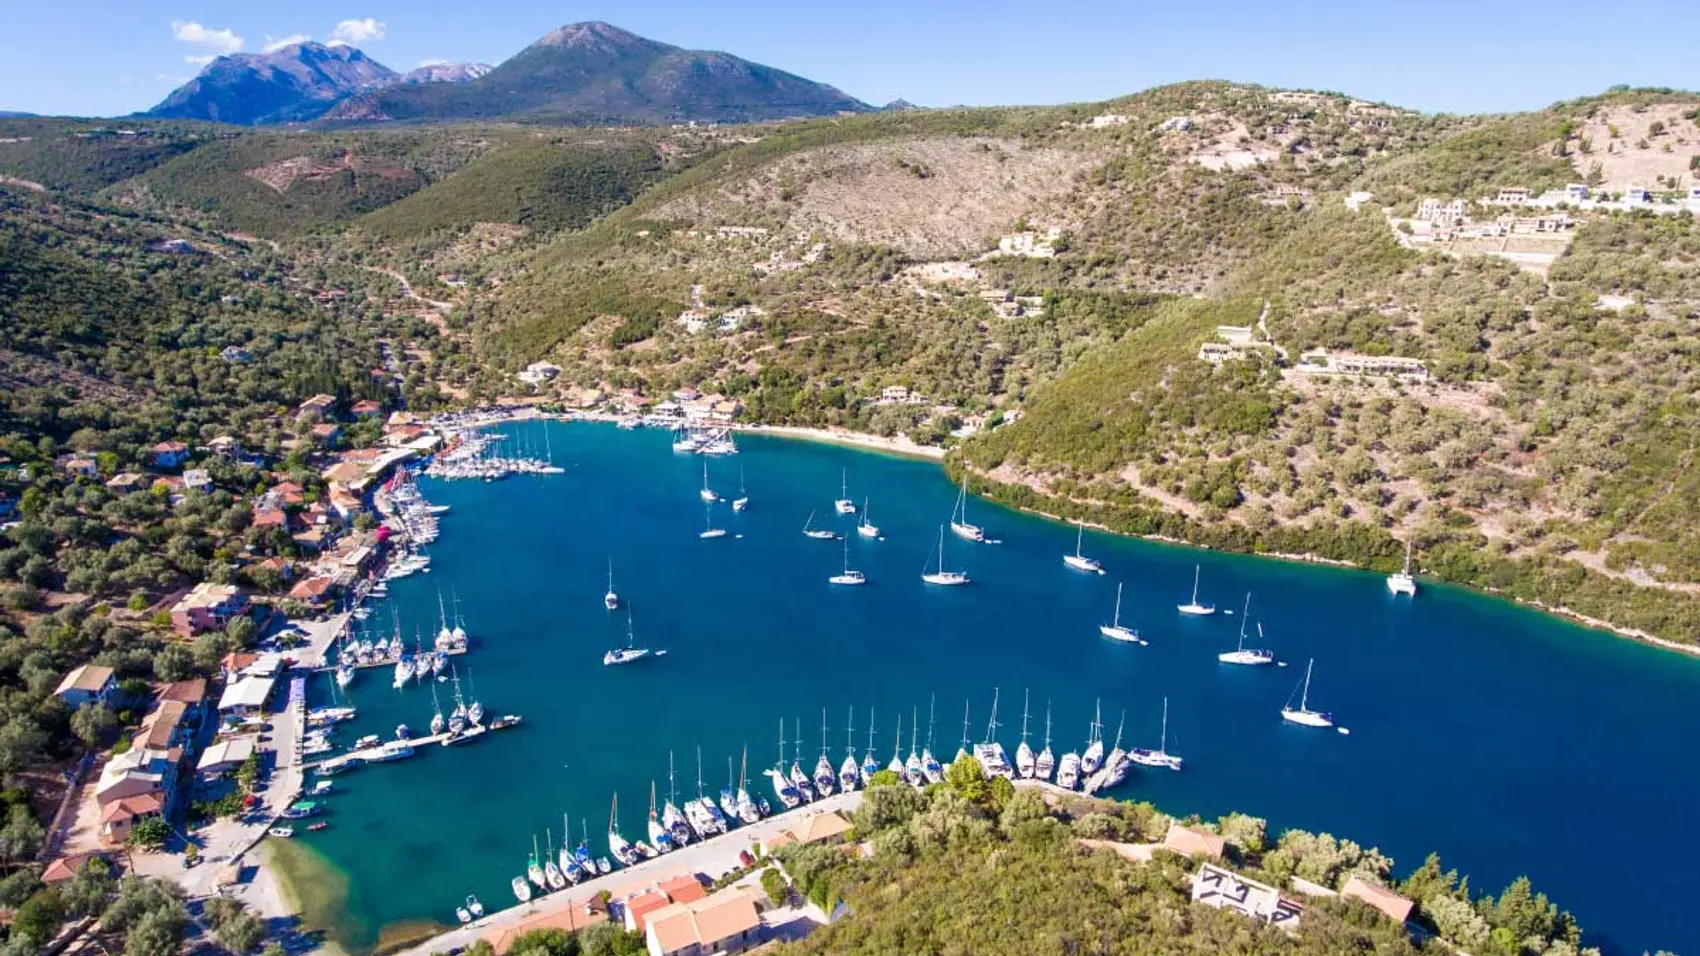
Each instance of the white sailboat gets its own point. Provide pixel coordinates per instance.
(1192, 606)
(930, 765)
(788, 795)
(959, 525)
(1024, 760)
(1303, 714)
(1161, 756)
(913, 770)
(941, 576)
(617, 844)
(1068, 771)
(1114, 630)
(659, 837)
(848, 576)
(747, 810)
(864, 527)
(819, 534)
(1079, 561)
(611, 600)
(707, 494)
(1046, 762)
(1252, 656)
(683, 440)
(848, 774)
(1401, 582)
(870, 766)
(743, 500)
(708, 528)
(824, 778)
(1093, 758)
(627, 654)
(844, 505)
(799, 779)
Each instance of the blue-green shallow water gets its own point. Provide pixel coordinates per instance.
(1507, 741)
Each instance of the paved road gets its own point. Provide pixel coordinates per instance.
(711, 858)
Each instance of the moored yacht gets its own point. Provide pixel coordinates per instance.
(1093, 757)
(864, 527)
(1068, 771)
(658, 835)
(627, 654)
(1046, 762)
(789, 796)
(1024, 760)
(819, 534)
(1303, 715)
(1114, 630)
(1079, 561)
(1193, 607)
(709, 531)
(743, 500)
(989, 752)
(848, 576)
(844, 505)
(1401, 582)
(942, 577)
(611, 600)
(824, 778)
(1161, 756)
(870, 765)
(959, 525)
(707, 494)
(848, 775)
(1253, 656)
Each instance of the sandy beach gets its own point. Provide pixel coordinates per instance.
(898, 445)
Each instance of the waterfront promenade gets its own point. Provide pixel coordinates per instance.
(712, 858)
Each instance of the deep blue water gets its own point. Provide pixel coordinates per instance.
(1509, 742)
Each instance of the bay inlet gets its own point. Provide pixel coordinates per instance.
(1507, 741)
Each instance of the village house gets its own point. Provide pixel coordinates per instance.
(828, 828)
(1444, 213)
(143, 781)
(1355, 200)
(224, 756)
(316, 591)
(326, 434)
(539, 372)
(170, 454)
(726, 922)
(1575, 192)
(208, 607)
(198, 479)
(366, 409)
(347, 473)
(1320, 362)
(192, 694)
(81, 466)
(1223, 889)
(125, 482)
(246, 696)
(86, 684)
(225, 446)
(236, 353)
(316, 409)
(693, 321)
(1035, 245)
(568, 919)
(1513, 196)
(1637, 196)
(269, 517)
(289, 494)
(1395, 907)
(1193, 842)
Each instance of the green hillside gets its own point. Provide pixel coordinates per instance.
(82, 157)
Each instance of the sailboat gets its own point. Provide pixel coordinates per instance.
(824, 776)
(848, 576)
(1114, 630)
(912, 770)
(438, 721)
(474, 709)
(864, 527)
(617, 845)
(627, 654)
(1046, 762)
(1115, 766)
(1401, 582)
(743, 500)
(534, 868)
(1024, 761)
(707, 494)
(445, 636)
(1079, 561)
(1068, 771)
(1253, 656)
(728, 795)
(1093, 758)
(569, 863)
(989, 752)
(962, 749)
(1161, 756)
(959, 525)
(708, 528)
(1303, 714)
(929, 763)
(788, 795)
(844, 505)
(848, 776)
(896, 765)
(819, 534)
(941, 576)
(551, 872)
(1192, 606)
(747, 810)
(670, 815)
(611, 601)
(870, 766)
(658, 835)
(683, 440)
(799, 779)
(474, 907)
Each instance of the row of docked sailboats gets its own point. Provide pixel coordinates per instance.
(715, 441)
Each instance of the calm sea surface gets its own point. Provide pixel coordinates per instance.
(1507, 741)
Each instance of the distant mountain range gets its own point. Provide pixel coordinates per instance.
(583, 73)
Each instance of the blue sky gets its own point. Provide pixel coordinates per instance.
(108, 58)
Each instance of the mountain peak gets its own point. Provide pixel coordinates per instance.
(291, 83)
(593, 35)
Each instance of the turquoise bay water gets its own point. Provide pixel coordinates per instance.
(1507, 741)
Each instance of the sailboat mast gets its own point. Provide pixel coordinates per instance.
(671, 791)
(1047, 725)
(914, 728)
(992, 724)
(932, 703)
(966, 740)
(699, 771)
(850, 733)
(1304, 698)
(870, 731)
(823, 732)
(1163, 745)
(1118, 621)
(1195, 570)
(1026, 698)
(781, 764)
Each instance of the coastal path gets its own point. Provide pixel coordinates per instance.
(712, 858)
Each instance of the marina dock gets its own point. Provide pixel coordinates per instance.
(377, 755)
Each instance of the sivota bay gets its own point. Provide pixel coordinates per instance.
(1508, 741)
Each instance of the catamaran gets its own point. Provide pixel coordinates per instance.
(1253, 656)
(1161, 756)
(1093, 758)
(1024, 761)
(1115, 767)
(1303, 714)
(848, 576)
(743, 500)
(864, 527)
(941, 576)
(1078, 561)
(819, 534)
(627, 654)
(1046, 762)
(788, 795)
(1401, 582)
(708, 528)
(1192, 606)
(844, 505)
(989, 752)
(1068, 771)
(848, 776)
(707, 494)
(959, 525)
(611, 601)
(824, 777)
(1114, 630)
